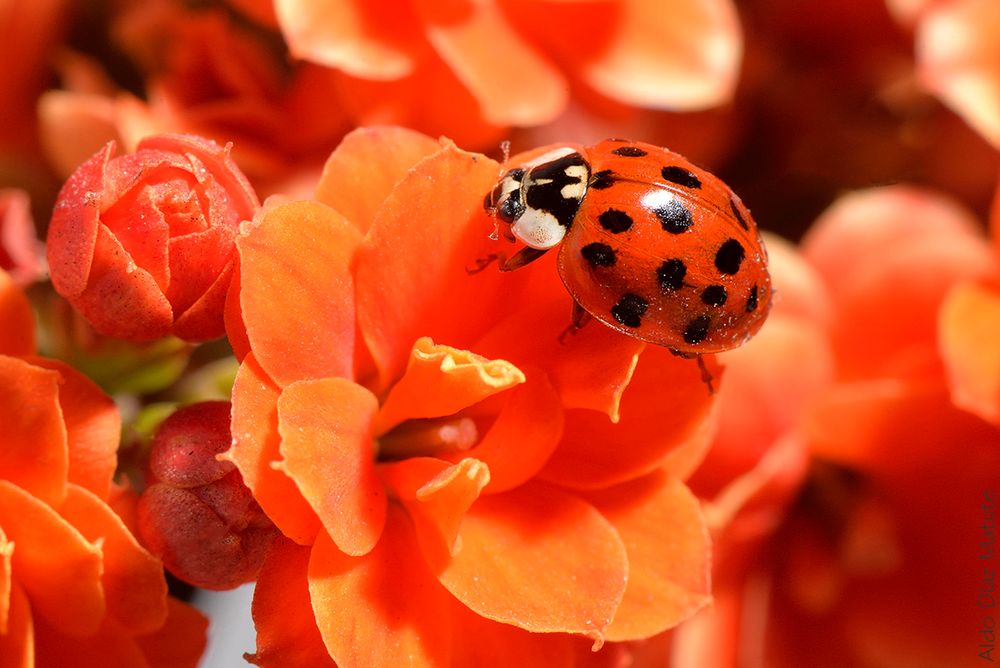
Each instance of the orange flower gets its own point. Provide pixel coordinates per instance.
(958, 59)
(142, 245)
(75, 586)
(196, 514)
(448, 475)
(879, 560)
(477, 67)
(203, 73)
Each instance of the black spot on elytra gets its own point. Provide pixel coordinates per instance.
(630, 309)
(729, 257)
(615, 221)
(629, 152)
(714, 295)
(547, 196)
(670, 275)
(696, 330)
(674, 216)
(752, 300)
(739, 216)
(602, 179)
(680, 176)
(598, 254)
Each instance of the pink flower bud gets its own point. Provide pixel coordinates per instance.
(197, 515)
(143, 244)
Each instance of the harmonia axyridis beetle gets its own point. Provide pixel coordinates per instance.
(651, 245)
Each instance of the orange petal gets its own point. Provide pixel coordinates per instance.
(422, 287)
(670, 54)
(58, 568)
(34, 454)
(134, 587)
(800, 290)
(17, 639)
(968, 327)
(666, 407)
(669, 553)
(17, 336)
(296, 291)
(328, 450)
(523, 436)
(590, 367)
(180, 642)
(437, 494)
(366, 166)
(93, 428)
(109, 645)
(958, 58)
(905, 248)
(74, 125)
(440, 380)
(769, 383)
(382, 609)
(255, 451)
(287, 634)
(482, 642)
(538, 558)
(6, 581)
(365, 39)
(486, 54)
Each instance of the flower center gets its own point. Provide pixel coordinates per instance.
(428, 438)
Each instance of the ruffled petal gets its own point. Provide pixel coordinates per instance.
(287, 634)
(17, 336)
(968, 327)
(538, 558)
(440, 380)
(590, 367)
(34, 453)
(6, 581)
(296, 292)
(437, 494)
(487, 54)
(669, 553)
(670, 54)
(665, 408)
(255, 451)
(134, 588)
(366, 166)
(109, 645)
(328, 449)
(365, 39)
(958, 58)
(384, 608)
(58, 568)
(424, 288)
(93, 428)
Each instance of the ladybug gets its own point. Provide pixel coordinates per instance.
(651, 245)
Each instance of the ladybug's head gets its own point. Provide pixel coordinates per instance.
(540, 199)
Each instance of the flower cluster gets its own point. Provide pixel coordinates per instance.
(259, 323)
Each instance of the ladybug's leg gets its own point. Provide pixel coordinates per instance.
(522, 257)
(706, 375)
(579, 319)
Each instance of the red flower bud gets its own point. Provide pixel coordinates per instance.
(143, 244)
(197, 515)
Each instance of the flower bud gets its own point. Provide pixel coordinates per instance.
(197, 515)
(143, 244)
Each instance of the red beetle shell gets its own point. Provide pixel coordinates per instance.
(665, 252)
